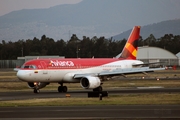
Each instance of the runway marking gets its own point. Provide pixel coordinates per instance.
(152, 87)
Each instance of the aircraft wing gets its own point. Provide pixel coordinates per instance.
(122, 72)
(76, 76)
(129, 71)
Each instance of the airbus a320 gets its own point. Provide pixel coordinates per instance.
(89, 72)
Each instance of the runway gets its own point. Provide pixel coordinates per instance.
(89, 112)
(22, 95)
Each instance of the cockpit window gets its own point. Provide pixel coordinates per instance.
(29, 66)
(32, 66)
(26, 66)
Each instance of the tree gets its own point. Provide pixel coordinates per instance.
(44, 45)
(86, 47)
(36, 47)
(100, 48)
(72, 47)
(150, 41)
(60, 47)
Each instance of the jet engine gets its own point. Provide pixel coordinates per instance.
(37, 85)
(90, 82)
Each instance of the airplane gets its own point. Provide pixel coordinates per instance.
(89, 72)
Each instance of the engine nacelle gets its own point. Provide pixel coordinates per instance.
(90, 82)
(37, 85)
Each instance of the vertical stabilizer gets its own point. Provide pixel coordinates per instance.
(130, 49)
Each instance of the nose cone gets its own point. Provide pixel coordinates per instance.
(22, 75)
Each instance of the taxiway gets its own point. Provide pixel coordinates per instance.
(91, 112)
(22, 95)
(105, 112)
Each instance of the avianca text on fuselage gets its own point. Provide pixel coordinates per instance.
(57, 63)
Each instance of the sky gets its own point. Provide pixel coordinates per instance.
(7, 6)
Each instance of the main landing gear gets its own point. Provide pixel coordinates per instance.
(98, 89)
(62, 88)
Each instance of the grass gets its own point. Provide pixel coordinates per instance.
(124, 99)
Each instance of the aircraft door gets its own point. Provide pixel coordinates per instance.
(44, 66)
(78, 66)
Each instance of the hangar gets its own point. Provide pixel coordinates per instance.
(178, 55)
(149, 54)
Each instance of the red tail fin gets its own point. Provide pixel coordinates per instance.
(130, 49)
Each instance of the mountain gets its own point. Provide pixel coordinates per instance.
(157, 29)
(87, 18)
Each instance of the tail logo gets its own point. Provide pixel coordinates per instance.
(130, 49)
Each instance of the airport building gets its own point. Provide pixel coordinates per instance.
(178, 55)
(149, 54)
(22, 60)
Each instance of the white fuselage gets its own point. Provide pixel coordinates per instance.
(66, 75)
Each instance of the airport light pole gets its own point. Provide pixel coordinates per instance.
(77, 52)
(22, 51)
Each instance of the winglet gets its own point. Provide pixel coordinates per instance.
(130, 49)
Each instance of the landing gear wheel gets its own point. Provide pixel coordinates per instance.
(98, 89)
(60, 89)
(36, 91)
(64, 89)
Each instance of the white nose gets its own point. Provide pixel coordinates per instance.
(22, 74)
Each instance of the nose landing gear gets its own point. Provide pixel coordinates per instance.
(36, 86)
(36, 91)
(62, 88)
